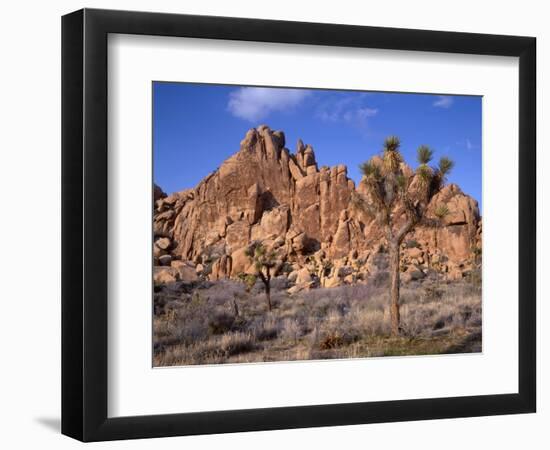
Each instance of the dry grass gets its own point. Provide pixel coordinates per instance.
(199, 326)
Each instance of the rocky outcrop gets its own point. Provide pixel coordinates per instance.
(264, 192)
(158, 193)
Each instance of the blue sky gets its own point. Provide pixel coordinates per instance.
(197, 126)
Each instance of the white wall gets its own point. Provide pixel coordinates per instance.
(30, 229)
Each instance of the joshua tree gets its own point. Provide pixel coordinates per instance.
(263, 260)
(398, 199)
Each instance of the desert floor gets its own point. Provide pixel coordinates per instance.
(219, 322)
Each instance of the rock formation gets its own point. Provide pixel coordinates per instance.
(305, 213)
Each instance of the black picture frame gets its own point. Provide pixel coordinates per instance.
(84, 224)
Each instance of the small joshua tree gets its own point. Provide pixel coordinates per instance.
(398, 200)
(264, 260)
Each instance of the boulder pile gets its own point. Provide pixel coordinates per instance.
(302, 212)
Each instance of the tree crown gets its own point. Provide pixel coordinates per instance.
(424, 154)
(394, 191)
(260, 256)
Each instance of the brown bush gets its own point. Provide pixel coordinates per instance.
(220, 322)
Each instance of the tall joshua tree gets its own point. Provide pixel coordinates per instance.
(398, 200)
(264, 260)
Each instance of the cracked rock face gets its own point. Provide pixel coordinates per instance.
(266, 193)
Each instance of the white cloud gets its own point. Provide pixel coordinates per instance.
(350, 109)
(363, 113)
(467, 144)
(443, 101)
(256, 103)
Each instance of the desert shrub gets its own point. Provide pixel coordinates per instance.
(201, 353)
(338, 294)
(265, 329)
(410, 296)
(336, 339)
(290, 330)
(322, 306)
(220, 322)
(372, 322)
(159, 302)
(419, 319)
(446, 315)
(432, 292)
(279, 283)
(223, 292)
(380, 278)
(474, 277)
(191, 332)
(265, 334)
(331, 341)
(235, 343)
(475, 319)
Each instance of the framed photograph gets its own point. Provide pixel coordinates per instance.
(273, 224)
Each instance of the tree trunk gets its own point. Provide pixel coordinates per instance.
(267, 282)
(268, 295)
(394, 288)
